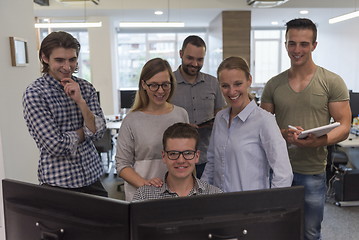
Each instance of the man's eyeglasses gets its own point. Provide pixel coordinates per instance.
(174, 155)
(155, 86)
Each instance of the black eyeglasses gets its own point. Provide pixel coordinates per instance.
(174, 155)
(155, 86)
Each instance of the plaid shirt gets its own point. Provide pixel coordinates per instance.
(151, 192)
(52, 119)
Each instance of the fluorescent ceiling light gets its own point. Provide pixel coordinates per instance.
(158, 12)
(266, 3)
(303, 12)
(78, 1)
(69, 25)
(344, 17)
(150, 24)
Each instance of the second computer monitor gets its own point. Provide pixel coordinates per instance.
(271, 214)
(127, 97)
(354, 103)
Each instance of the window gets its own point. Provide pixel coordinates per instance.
(84, 57)
(135, 49)
(268, 55)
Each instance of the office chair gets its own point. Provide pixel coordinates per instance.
(104, 145)
(335, 159)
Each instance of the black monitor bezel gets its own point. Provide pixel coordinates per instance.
(255, 205)
(127, 98)
(354, 103)
(203, 211)
(54, 208)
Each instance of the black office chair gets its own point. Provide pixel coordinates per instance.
(105, 145)
(336, 158)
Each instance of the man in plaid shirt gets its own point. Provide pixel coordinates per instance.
(64, 117)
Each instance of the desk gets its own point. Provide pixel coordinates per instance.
(351, 147)
(114, 125)
(351, 141)
(346, 183)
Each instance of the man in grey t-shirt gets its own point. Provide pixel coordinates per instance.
(198, 93)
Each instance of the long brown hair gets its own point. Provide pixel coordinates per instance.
(151, 68)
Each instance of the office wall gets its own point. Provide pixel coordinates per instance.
(18, 154)
(338, 50)
(215, 44)
(18, 149)
(2, 175)
(103, 62)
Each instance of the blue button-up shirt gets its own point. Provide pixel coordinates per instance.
(240, 157)
(52, 119)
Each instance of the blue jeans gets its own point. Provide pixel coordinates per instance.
(314, 199)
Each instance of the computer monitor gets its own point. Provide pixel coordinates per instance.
(354, 103)
(37, 212)
(98, 96)
(127, 97)
(272, 214)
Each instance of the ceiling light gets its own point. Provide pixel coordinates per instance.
(150, 24)
(75, 24)
(78, 1)
(69, 25)
(266, 3)
(158, 12)
(344, 17)
(163, 24)
(274, 23)
(304, 12)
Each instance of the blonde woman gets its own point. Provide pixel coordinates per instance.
(139, 144)
(246, 142)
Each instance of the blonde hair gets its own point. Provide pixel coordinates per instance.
(151, 68)
(235, 63)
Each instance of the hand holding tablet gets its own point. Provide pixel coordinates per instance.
(318, 131)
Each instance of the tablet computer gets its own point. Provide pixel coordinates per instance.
(319, 131)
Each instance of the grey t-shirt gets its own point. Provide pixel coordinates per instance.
(200, 100)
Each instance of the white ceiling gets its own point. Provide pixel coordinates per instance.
(196, 13)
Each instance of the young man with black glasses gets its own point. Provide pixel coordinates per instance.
(180, 155)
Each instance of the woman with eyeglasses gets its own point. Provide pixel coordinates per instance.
(246, 143)
(138, 151)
